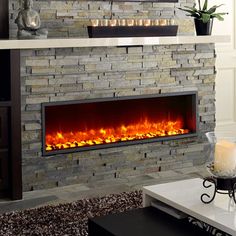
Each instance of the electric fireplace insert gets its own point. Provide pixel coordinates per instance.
(101, 123)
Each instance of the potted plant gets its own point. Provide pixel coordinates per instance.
(203, 16)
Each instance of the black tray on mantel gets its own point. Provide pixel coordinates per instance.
(131, 31)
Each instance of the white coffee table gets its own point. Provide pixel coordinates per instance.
(185, 196)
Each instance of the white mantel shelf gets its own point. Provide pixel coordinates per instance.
(109, 42)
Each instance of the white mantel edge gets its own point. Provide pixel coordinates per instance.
(109, 42)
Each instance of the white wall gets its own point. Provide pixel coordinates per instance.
(226, 69)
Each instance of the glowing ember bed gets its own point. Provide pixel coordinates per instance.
(98, 123)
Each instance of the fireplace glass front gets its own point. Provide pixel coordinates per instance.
(101, 123)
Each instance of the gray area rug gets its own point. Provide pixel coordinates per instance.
(66, 219)
(72, 218)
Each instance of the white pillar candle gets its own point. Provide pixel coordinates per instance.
(225, 156)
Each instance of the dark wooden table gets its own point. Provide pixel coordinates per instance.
(146, 221)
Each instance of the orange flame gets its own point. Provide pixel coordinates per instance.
(141, 130)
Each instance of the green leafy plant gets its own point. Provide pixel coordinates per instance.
(203, 13)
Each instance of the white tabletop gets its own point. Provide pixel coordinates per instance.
(110, 42)
(185, 196)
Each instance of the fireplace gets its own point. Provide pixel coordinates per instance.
(102, 123)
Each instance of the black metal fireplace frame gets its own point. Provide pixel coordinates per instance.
(126, 143)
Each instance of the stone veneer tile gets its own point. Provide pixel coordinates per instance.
(121, 162)
(82, 73)
(70, 18)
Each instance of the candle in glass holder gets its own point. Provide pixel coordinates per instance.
(155, 22)
(147, 22)
(122, 22)
(139, 22)
(130, 22)
(225, 156)
(104, 22)
(113, 22)
(94, 22)
(171, 21)
(162, 22)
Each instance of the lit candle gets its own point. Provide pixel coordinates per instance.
(104, 22)
(95, 22)
(122, 22)
(171, 21)
(147, 22)
(225, 156)
(155, 22)
(130, 22)
(33, 23)
(112, 22)
(139, 22)
(162, 22)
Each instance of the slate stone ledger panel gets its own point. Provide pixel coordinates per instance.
(55, 75)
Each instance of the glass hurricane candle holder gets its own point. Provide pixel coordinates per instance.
(222, 155)
(221, 165)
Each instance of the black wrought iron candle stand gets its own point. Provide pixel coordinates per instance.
(221, 185)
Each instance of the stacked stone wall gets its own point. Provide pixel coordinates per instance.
(50, 75)
(70, 18)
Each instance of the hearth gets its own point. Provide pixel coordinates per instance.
(102, 123)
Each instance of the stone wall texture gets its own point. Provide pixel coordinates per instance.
(49, 75)
(70, 18)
